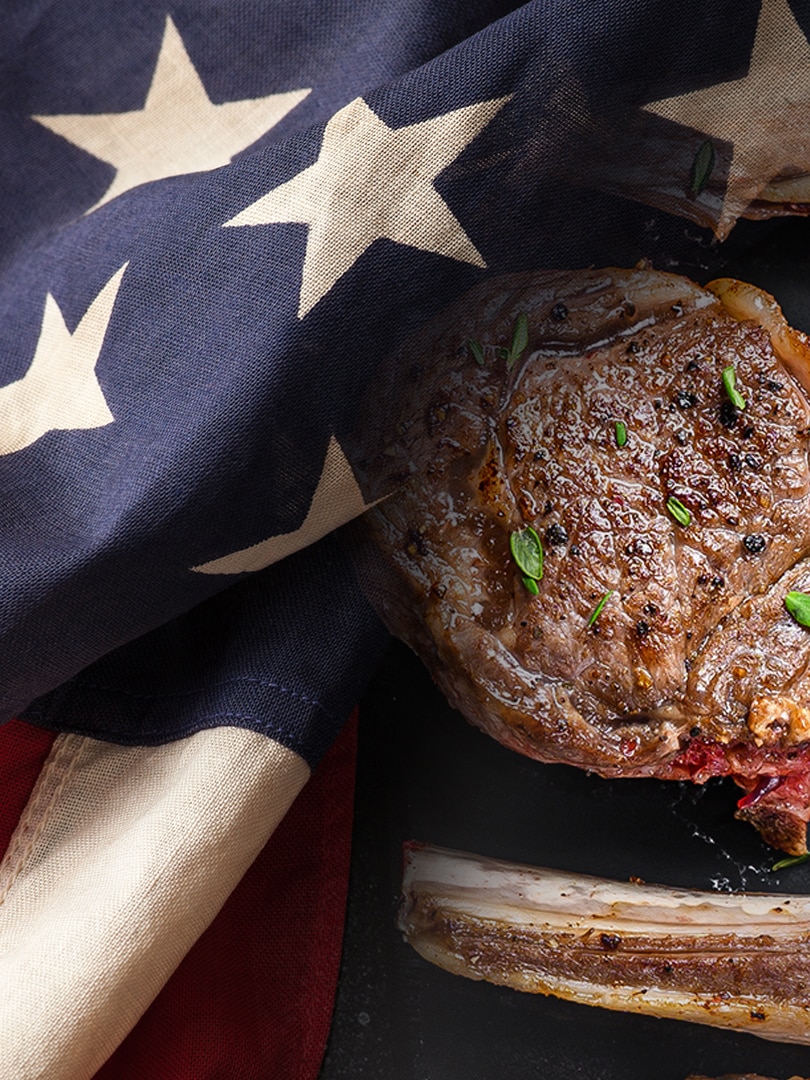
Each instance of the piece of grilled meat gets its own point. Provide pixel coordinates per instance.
(654, 436)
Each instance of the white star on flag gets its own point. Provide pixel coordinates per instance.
(60, 391)
(337, 499)
(373, 182)
(178, 130)
(764, 115)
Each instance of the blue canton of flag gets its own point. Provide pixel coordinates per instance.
(216, 223)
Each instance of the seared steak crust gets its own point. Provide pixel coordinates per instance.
(693, 640)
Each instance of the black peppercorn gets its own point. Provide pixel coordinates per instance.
(728, 414)
(556, 534)
(754, 543)
(559, 312)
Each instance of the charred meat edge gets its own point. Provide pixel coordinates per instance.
(738, 961)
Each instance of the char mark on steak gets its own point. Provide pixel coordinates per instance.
(653, 435)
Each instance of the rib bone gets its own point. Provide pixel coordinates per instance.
(739, 961)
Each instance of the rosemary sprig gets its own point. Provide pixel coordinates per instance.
(791, 860)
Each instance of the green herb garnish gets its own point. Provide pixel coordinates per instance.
(520, 339)
(621, 433)
(798, 604)
(597, 611)
(475, 348)
(702, 167)
(679, 511)
(527, 551)
(531, 585)
(730, 383)
(792, 860)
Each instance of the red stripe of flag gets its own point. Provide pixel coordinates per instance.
(253, 999)
(23, 750)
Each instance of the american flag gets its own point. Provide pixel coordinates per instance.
(217, 220)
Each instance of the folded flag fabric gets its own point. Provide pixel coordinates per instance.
(253, 997)
(216, 221)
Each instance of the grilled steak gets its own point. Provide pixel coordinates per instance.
(649, 439)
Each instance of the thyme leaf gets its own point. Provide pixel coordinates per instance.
(798, 605)
(477, 351)
(597, 611)
(702, 168)
(520, 339)
(679, 511)
(527, 551)
(730, 383)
